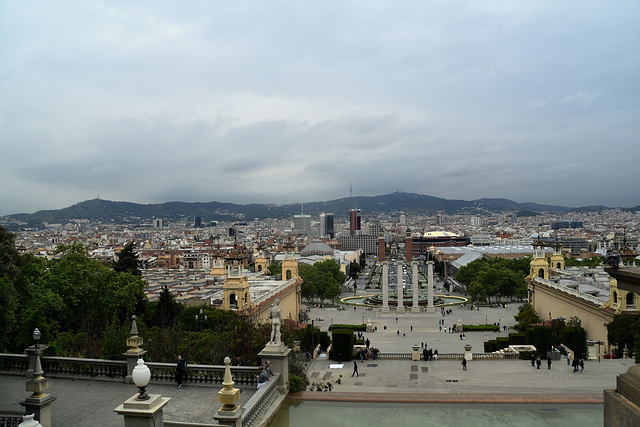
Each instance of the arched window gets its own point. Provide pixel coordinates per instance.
(615, 299)
(233, 301)
(631, 301)
(288, 275)
(559, 265)
(260, 268)
(541, 273)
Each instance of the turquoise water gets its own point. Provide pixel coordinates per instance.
(361, 414)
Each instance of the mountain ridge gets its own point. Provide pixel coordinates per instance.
(397, 202)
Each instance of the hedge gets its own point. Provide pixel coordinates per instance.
(471, 328)
(360, 328)
(342, 348)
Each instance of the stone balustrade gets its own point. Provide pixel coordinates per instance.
(116, 370)
(261, 403)
(452, 356)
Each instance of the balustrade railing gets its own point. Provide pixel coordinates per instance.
(10, 419)
(116, 370)
(453, 356)
(74, 367)
(261, 403)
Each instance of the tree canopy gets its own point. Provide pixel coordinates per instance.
(127, 261)
(526, 316)
(321, 280)
(495, 277)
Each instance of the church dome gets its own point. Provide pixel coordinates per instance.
(317, 248)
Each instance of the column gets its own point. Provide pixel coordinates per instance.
(430, 307)
(416, 287)
(400, 276)
(385, 286)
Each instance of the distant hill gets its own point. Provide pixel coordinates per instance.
(408, 203)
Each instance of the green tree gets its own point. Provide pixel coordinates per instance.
(166, 311)
(526, 316)
(127, 261)
(275, 269)
(354, 270)
(621, 331)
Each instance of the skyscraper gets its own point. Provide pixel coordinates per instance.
(326, 225)
(354, 223)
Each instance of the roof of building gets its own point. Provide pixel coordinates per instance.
(316, 247)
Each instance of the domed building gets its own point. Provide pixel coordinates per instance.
(317, 248)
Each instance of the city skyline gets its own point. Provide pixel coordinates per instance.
(294, 102)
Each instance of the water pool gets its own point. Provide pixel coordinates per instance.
(361, 414)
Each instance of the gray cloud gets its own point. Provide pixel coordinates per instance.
(291, 101)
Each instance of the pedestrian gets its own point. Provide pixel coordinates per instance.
(568, 359)
(398, 332)
(538, 362)
(460, 337)
(367, 342)
(581, 366)
(549, 362)
(355, 368)
(464, 364)
(396, 320)
(575, 365)
(181, 369)
(533, 360)
(435, 355)
(267, 369)
(262, 376)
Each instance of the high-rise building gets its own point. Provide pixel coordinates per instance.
(302, 224)
(354, 223)
(440, 219)
(326, 225)
(198, 222)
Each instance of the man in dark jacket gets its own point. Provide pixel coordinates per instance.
(181, 369)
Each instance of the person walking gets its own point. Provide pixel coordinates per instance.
(464, 364)
(533, 360)
(549, 362)
(581, 366)
(538, 362)
(355, 368)
(181, 369)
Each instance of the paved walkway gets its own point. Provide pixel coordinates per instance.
(85, 402)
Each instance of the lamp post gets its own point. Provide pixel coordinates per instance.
(141, 376)
(200, 320)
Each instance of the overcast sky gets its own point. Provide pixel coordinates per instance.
(282, 102)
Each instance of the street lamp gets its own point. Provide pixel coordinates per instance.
(141, 375)
(37, 369)
(201, 319)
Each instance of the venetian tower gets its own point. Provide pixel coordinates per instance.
(289, 263)
(557, 260)
(539, 264)
(262, 264)
(236, 290)
(218, 267)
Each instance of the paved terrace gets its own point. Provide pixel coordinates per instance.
(84, 402)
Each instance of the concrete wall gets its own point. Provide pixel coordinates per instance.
(549, 300)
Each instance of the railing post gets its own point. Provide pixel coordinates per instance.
(135, 352)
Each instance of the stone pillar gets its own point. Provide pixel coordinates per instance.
(39, 403)
(381, 248)
(400, 290)
(385, 286)
(467, 352)
(135, 352)
(430, 307)
(143, 413)
(415, 353)
(229, 414)
(415, 308)
(278, 355)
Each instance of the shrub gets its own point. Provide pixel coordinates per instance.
(472, 328)
(342, 345)
(359, 328)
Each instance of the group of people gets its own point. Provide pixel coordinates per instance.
(429, 354)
